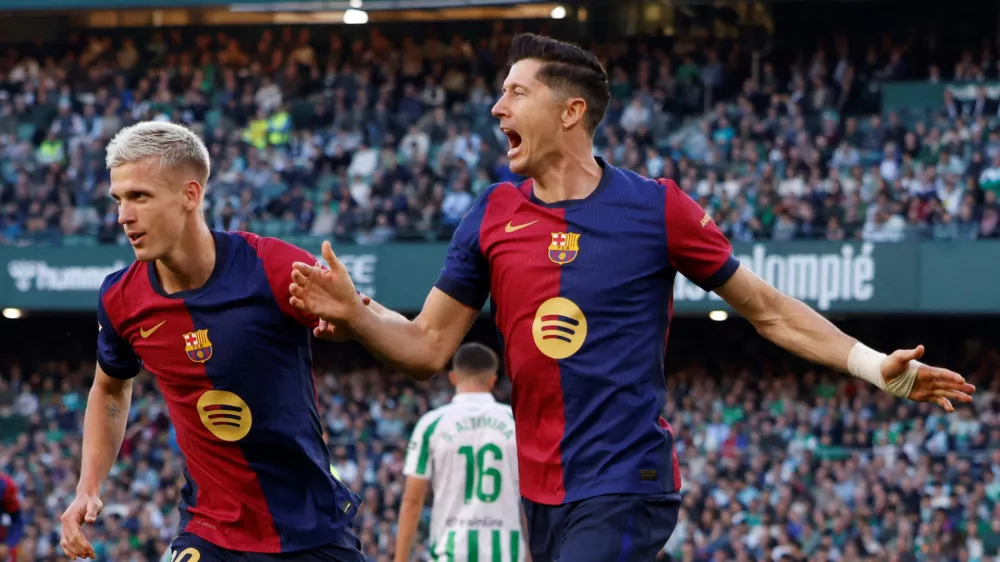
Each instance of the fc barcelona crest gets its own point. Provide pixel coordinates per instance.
(564, 247)
(198, 346)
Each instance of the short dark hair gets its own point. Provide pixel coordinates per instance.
(475, 359)
(567, 67)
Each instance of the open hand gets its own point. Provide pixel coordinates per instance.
(326, 293)
(337, 332)
(84, 509)
(932, 384)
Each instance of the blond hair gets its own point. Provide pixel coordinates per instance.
(171, 144)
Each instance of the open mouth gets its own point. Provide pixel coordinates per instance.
(514, 138)
(135, 237)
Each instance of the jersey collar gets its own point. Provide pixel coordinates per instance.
(607, 173)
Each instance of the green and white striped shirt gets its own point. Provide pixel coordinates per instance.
(468, 451)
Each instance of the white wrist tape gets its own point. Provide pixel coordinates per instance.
(866, 364)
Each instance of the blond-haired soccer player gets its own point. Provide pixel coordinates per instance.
(207, 313)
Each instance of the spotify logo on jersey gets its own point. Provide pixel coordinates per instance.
(225, 415)
(559, 328)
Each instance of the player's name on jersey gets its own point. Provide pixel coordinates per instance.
(504, 427)
(484, 522)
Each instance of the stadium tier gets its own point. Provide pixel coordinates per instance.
(861, 180)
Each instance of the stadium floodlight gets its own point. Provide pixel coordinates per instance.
(12, 313)
(558, 13)
(355, 17)
(718, 315)
(355, 4)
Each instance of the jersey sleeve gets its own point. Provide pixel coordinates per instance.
(695, 245)
(115, 354)
(466, 273)
(10, 503)
(278, 257)
(419, 456)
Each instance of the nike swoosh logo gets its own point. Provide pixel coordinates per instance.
(512, 228)
(146, 333)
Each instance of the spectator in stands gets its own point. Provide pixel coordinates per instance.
(293, 121)
(776, 461)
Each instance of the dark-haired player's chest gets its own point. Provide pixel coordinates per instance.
(593, 255)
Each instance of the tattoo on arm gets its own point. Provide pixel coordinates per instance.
(114, 412)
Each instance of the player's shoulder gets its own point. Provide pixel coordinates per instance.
(502, 408)
(121, 278)
(629, 188)
(507, 188)
(124, 285)
(427, 424)
(637, 182)
(496, 192)
(268, 248)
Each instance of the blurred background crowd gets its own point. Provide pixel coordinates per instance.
(387, 137)
(780, 461)
(375, 140)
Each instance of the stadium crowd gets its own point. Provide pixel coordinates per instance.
(779, 461)
(368, 141)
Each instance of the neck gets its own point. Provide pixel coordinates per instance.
(572, 175)
(470, 388)
(190, 263)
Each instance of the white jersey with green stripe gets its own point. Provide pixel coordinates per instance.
(468, 452)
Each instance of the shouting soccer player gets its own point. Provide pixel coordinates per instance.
(208, 314)
(580, 262)
(466, 453)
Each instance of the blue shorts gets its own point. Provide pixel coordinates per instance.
(611, 528)
(188, 547)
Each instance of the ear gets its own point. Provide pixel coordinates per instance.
(451, 378)
(194, 193)
(574, 112)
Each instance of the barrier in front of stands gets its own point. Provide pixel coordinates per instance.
(935, 277)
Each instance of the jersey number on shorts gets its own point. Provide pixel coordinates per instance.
(186, 555)
(476, 472)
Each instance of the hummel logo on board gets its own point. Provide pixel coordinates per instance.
(511, 228)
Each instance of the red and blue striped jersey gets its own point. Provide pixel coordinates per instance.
(582, 294)
(10, 505)
(233, 360)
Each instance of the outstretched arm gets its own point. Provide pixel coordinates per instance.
(419, 347)
(699, 250)
(423, 346)
(796, 327)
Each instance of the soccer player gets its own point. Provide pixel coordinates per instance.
(207, 314)
(465, 452)
(10, 505)
(579, 262)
